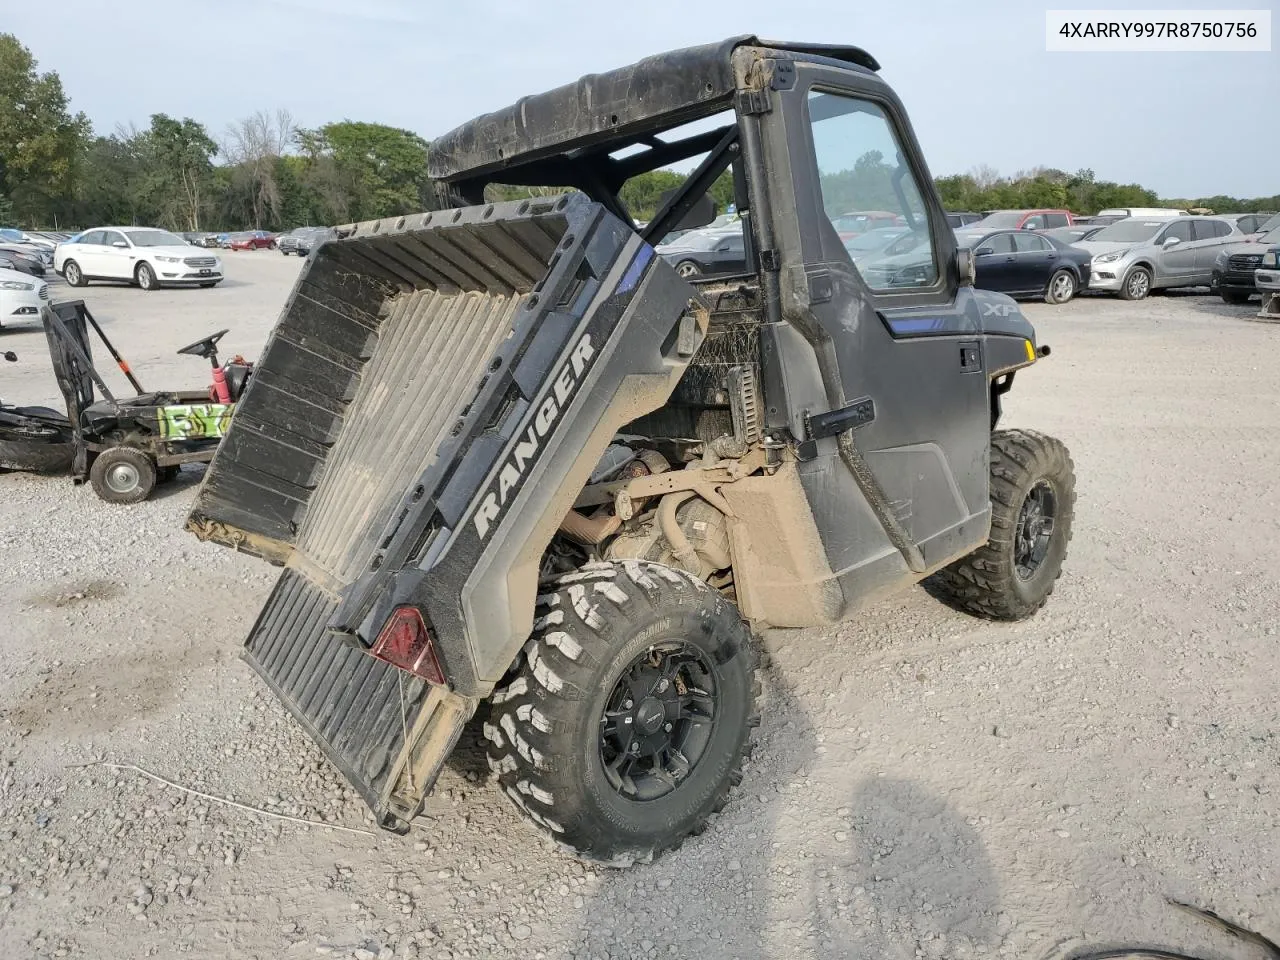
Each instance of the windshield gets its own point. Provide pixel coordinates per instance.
(1270, 225)
(155, 238)
(996, 221)
(14, 236)
(1128, 231)
(1272, 237)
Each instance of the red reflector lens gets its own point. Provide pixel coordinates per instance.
(405, 642)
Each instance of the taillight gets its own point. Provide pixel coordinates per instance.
(405, 642)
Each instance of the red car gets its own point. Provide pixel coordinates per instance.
(251, 240)
(858, 222)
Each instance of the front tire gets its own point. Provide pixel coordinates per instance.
(146, 277)
(688, 269)
(123, 475)
(73, 274)
(1061, 287)
(1137, 284)
(1033, 495)
(627, 720)
(1234, 297)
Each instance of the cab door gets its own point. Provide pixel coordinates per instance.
(896, 341)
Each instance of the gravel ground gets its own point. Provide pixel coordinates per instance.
(926, 785)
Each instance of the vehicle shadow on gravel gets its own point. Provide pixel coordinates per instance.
(796, 869)
(916, 880)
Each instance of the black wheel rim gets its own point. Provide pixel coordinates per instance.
(658, 721)
(1035, 530)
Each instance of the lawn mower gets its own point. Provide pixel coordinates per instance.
(124, 445)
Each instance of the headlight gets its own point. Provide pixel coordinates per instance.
(1109, 257)
(169, 259)
(16, 285)
(1271, 258)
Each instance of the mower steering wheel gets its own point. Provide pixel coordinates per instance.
(207, 347)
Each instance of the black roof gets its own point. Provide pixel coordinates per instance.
(658, 92)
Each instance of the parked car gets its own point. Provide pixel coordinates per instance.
(962, 219)
(1124, 213)
(21, 296)
(1021, 220)
(1234, 267)
(303, 240)
(23, 259)
(251, 240)
(198, 238)
(849, 225)
(1135, 256)
(707, 252)
(1250, 222)
(1023, 263)
(1073, 234)
(873, 242)
(906, 262)
(143, 255)
(1267, 277)
(1266, 226)
(1098, 220)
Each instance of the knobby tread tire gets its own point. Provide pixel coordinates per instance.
(985, 583)
(542, 728)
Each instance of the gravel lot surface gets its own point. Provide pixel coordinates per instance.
(926, 785)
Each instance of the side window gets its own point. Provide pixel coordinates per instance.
(1000, 243)
(861, 167)
(1220, 229)
(1056, 220)
(1179, 228)
(94, 237)
(1029, 243)
(1033, 223)
(110, 237)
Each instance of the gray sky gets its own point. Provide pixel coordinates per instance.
(975, 77)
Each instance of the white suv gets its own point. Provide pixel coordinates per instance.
(148, 257)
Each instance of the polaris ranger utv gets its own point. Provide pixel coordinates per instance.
(512, 463)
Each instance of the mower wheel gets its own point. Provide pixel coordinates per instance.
(1033, 495)
(626, 722)
(123, 475)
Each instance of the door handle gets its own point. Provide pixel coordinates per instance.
(1008, 259)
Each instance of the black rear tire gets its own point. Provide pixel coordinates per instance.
(1231, 296)
(123, 475)
(1013, 574)
(590, 738)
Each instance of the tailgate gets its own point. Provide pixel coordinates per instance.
(371, 456)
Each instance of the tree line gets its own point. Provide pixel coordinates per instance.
(265, 172)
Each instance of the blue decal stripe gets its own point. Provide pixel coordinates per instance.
(916, 324)
(632, 276)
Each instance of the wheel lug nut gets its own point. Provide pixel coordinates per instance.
(667, 728)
